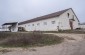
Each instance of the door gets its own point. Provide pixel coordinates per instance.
(71, 24)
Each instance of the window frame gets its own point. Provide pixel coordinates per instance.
(45, 23)
(53, 22)
(38, 24)
(33, 25)
(68, 15)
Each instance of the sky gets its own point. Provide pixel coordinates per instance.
(22, 10)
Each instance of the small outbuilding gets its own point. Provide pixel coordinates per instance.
(11, 27)
(82, 26)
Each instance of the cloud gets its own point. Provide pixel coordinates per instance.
(21, 10)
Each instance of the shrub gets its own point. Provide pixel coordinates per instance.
(28, 39)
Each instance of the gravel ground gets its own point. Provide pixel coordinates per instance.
(74, 44)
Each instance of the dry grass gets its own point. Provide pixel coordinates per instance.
(27, 39)
(66, 31)
(4, 51)
(69, 38)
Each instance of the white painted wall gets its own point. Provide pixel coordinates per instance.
(62, 21)
(65, 20)
(82, 26)
(42, 26)
(76, 22)
(14, 28)
(5, 28)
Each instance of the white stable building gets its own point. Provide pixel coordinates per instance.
(82, 26)
(61, 20)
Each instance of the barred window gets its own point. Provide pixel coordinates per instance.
(38, 23)
(32, 24)
(68, 15)
(28, 25)
(45, 23)
(53, 22)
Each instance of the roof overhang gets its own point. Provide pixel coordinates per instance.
(11, 23)
(56, 14)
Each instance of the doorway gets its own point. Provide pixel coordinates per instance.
(71, 24)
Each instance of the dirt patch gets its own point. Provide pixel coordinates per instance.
(3, 51)
(65, 48)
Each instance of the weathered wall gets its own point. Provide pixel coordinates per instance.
(62, 22)
(14, 28)
(42, 26)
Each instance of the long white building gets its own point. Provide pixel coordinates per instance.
(82, 26)
(61, 20)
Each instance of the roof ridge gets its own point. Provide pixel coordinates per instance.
(55, 14)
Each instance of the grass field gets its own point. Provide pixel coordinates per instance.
(8, 39)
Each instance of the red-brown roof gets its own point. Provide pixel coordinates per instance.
(56, 14)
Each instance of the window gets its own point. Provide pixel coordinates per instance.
(32, 24)
(25, 25)
(73, 18)
(68, 14)
(3, 27)
(53, 22)
(38, 23)
(28, 25)
(45, 23)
